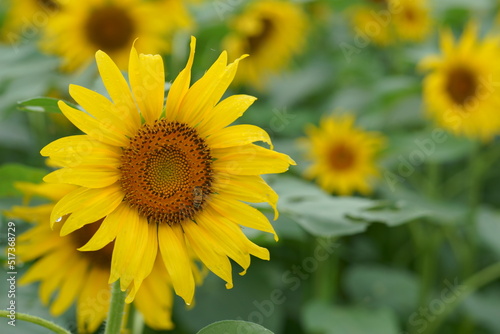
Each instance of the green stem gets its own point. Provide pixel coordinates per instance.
(37, 321)
(325, 278)
(477, 281)
(116, 309)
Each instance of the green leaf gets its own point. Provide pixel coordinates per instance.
(392, 216)
(16, 172)
(234, 327)
(42, 104)
(488, 223)
(316, 211)
(381, 286)
(483, 307)
(319, 317)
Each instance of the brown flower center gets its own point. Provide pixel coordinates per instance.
(50, 5)
(166, 172)
(410, 14)
(110, 28)
(341, 157)
(101, 257)
(461, 85)
(258, 40)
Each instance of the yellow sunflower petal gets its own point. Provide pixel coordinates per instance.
(101, 109)
(206, 249)
(147, 260)
(248, 188)
(107, 133)
(85, 176)
(147, 78)
(70, 288)
(177, 260)
(237, 135)
(155, 299)
(130, 244)
(201, 95)
(86, 206)
(209, 90)
(242, 214)
(226, 112)
(93, 302)
(53, 280)
(225, 225)
(44, 190)
(107, 232)
(229, 240)
(118, 90)
(250, 160)
(74, 150)
(180, 86)
(45, 266)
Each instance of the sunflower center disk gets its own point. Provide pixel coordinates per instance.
(257, 41)
(341, 157)
(49, 4)
(461, 85)
(166, 172)
(110, 28)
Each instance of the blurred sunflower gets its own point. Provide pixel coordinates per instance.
(411, 19)
(81, 277)
(25, 17)
(173, 180)
(83, 27)
(459, 90)
(271, 32)
(367, 22)
(343, 156)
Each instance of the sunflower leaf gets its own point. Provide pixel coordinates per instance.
(234, 326)
(320, 317)
(42, 104)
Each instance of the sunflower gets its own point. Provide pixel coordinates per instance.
(83, 27)
(459, 90)
(171, 180)
(271, 32)
(343, 156)
(366, 22)
(26, 17)
(411, 19)
(81, 277)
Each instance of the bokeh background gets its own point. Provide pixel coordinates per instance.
(411, 246)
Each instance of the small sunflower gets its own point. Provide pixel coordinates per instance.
(168, 179)
(271, 32)
(412, 20)
(26, 17)
(81, 277)
(460, 89)
(366, 21)
(343, 156)
(83, 27)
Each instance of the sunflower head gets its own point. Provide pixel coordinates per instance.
(411, 19)
(271, 32)
(167, 179)
(342, 156)
(459, 89)
(79, 29)
(23, 15)
(80, 277)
